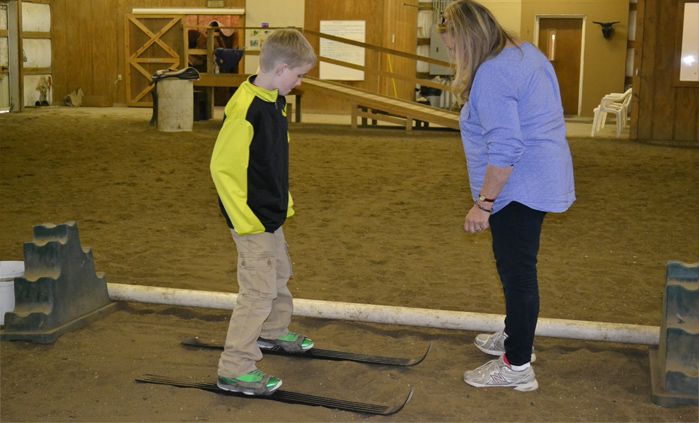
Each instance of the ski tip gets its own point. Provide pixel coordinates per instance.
(420, 360)
(394, 410)
(410, 396)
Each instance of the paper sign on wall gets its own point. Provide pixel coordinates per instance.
(353, 30)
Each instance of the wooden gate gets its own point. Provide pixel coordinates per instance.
(153, 42)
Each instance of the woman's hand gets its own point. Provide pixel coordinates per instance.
(495, 179)
(477, 219)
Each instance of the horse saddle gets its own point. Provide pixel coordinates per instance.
(186, 73)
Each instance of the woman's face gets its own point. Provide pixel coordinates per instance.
(449, 42)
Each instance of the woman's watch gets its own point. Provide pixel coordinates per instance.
(485, 199)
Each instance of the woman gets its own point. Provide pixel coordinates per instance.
(519, 168)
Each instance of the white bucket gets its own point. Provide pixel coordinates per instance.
(9, 270)
(175, 105)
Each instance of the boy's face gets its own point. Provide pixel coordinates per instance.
(290, 78)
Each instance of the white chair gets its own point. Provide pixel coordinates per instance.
(625, 100)
(616, 103)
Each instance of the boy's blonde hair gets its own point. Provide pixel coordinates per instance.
(477, 37)
(286, 46)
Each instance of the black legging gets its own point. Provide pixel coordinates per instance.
(516, 230)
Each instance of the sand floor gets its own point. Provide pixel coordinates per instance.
(378, 220)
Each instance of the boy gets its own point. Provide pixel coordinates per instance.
(250, 168)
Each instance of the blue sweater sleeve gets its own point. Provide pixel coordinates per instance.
(496, 104)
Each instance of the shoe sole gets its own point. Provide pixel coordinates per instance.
(265, 346)
(522, 387)
(498, 353)
(246, 391)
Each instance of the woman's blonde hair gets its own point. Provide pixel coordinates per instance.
(477, 37)
(286, 46)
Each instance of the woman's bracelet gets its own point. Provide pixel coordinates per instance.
(483, 208)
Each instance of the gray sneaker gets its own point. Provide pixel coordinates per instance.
(251, 383)
(497, 374)
(495, 344)
(291, 342)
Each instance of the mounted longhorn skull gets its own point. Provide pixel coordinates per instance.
(607, 29)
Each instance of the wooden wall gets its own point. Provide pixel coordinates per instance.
(88, 52)
(84, 54)
(383, 19)
(663, 109)
(88, 43)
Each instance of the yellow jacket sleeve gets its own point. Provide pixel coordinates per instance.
(229, 170)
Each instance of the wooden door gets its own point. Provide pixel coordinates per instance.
(561, 40)
(399, 33)
(153, 42)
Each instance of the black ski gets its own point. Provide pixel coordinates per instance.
(323, 354)
(281, 395)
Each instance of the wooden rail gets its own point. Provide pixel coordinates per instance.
(425, 82)
(369, 105)
(364, 104)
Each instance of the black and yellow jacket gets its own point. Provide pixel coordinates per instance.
(250, 161)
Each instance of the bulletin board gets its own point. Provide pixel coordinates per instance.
(255, 38)
(353, 30)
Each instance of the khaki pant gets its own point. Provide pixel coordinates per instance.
(264, 305)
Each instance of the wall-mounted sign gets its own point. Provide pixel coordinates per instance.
(353, 30)
(215, 3)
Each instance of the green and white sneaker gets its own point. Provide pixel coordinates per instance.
(498, 374)
(495, 344)
(251, 383)
(291, 342)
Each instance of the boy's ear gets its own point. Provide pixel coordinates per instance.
(281, 68)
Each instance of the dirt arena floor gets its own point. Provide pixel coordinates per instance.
(378, 220)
